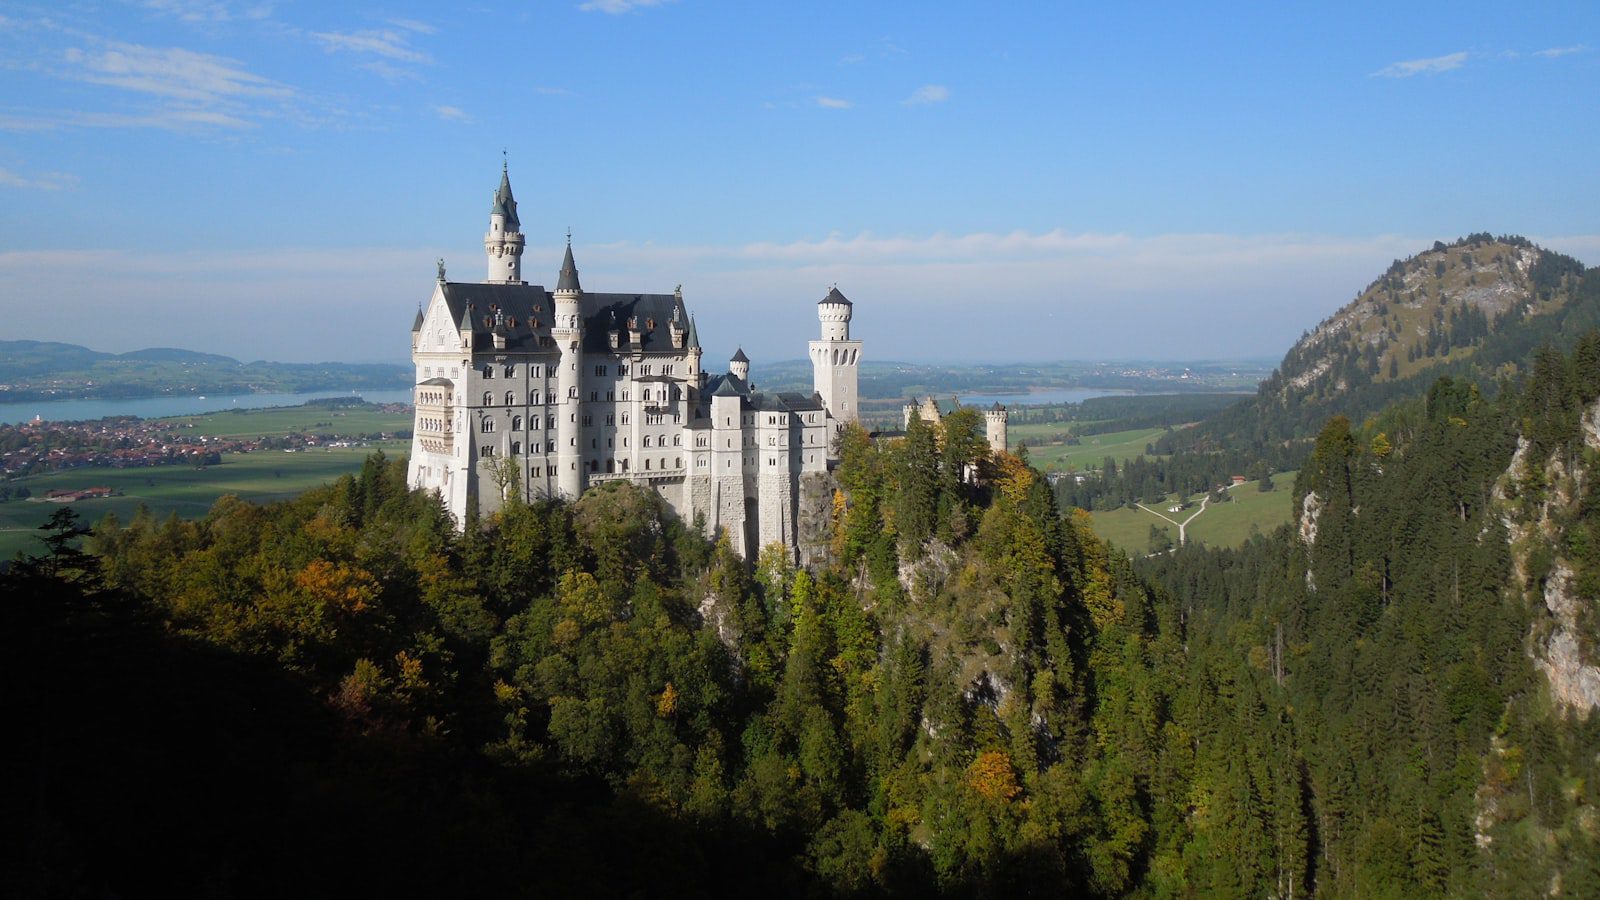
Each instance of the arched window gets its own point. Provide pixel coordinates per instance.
(647, 464)
(488, 398)
(516, 423)
(647, 440)
(488, 425)
(511, 398)
(516, 448)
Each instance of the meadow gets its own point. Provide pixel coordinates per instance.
(1089, 452)
(1221, 525)
(261, 477)
(235, 424)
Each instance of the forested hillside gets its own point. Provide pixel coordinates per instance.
(1475, 309)
(1418, 657)
(972, 696)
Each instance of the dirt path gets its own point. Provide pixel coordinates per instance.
(1182, 526)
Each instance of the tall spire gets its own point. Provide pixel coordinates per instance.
(692, 342)
(569, 270)
(504, 203)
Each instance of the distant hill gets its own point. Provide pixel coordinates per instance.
(43, 370)
(1475, 308)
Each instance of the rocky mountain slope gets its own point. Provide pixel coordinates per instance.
(1474, 308)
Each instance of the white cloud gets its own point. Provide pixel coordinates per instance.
(833, 103)
(928, 95)
(209, 10)
(43, 181)
(170, 72)
(1557, 52)
(617, 7)
(413, 25)
(378, 42)
(1433, 65)
(452, 113)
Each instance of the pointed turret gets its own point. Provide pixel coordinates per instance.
(505, 204)
(569, 271)
(416, 325)
(692, 342)
(503, 242)
(740, 365)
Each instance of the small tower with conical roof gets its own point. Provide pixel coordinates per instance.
(503, 242)
(994, 422)
(567, 332)
(835, 359)
(739, 365)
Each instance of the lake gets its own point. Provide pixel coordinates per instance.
(158, 407)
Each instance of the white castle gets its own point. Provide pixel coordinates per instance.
(545, 393)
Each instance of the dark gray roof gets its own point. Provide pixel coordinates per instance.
(417, 325)
(528, 310)
(693, 339)
(504, 203)
(438, 382)
(738, 356)
(569, 273)
(802, 402)
(728, 388)
(835, 297)
(997, 407)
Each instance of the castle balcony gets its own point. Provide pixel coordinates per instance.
(654, 476)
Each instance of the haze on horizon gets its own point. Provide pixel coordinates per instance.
(275, 180)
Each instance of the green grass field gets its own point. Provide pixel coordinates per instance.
(262, 477)
(248, 423)
(1221, 525)
(1092, 450)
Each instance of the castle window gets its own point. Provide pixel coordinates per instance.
(511, 370)
(647, 464)
(624, 418)
(488, 370)
(677, 440)
(624, 396)
(600, 370)
(610, 396)
(516, 448)
(611, 418)
(646, 370)
(488, 398)
(677, 462)
(511, 399)
(486, 452)
(516, 423)
(647, 440)
(594, 396)
(622, 369)
(594, 465)
(533, 423)
(572, 392)
(587, 421)
(609, 443)
(488, 425)
(533, 371)
(611, 465)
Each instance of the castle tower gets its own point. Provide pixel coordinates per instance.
(691, 344)
(502, 243)
(739, 366)
(835, 359)
(994, 427)
(567, 331)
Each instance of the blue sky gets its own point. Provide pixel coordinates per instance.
(986, 181)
